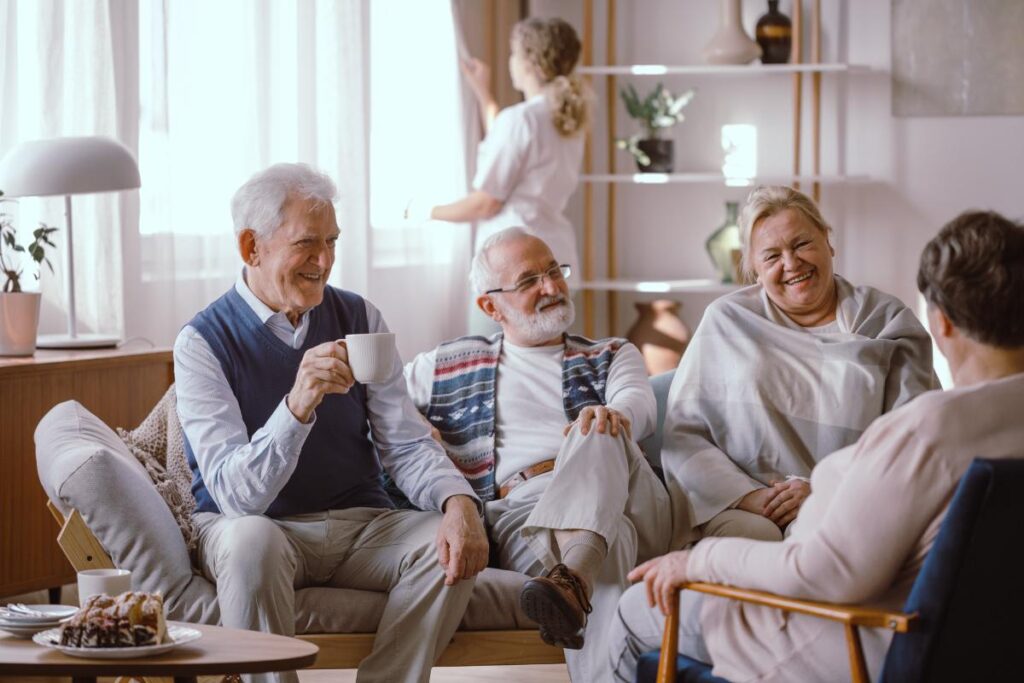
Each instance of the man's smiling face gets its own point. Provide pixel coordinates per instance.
(288, 271)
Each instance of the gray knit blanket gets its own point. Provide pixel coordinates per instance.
(757, 398)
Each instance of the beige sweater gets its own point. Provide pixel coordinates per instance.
(861, 537)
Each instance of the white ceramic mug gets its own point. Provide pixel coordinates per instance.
(371, 356)
(102, 582)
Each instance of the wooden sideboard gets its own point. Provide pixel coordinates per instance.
(120, 386)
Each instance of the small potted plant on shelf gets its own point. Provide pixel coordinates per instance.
(657, 112)
(19, 310)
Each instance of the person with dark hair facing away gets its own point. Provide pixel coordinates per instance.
(875, 507)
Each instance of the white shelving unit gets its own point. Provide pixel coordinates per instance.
(611, 283)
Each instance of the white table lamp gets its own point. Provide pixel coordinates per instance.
(67, 166)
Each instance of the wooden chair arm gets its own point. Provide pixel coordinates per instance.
(851, 616)
(854, 615)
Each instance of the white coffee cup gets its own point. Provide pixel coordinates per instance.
(371, 356)
(102, 582)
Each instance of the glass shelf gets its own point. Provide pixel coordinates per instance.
(660, 286)
(720, 69)
(718, 179)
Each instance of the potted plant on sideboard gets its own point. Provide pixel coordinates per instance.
(657, 112)
(19, 310)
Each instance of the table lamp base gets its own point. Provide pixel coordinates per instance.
(80, 341)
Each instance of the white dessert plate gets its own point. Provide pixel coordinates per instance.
(24, 631)
(42, 614)
(177, 635)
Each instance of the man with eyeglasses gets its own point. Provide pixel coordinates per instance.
(542, 424)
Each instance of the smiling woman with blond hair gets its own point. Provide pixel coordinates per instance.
(780, 374)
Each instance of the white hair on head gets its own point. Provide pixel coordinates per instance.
(258, 205)
(481, 276)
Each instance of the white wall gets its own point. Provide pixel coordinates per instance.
(924, 170)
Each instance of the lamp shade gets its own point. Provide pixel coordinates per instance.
(66, 166)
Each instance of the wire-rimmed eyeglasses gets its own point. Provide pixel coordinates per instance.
(555, 274)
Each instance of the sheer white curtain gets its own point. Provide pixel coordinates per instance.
(207, 93)
(226, 89)
(58, 77)
(418, 148)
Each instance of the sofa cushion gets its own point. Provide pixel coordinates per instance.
(493, 606)
(82, 464)
(159, 444)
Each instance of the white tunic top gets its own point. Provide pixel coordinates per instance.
(525, 163)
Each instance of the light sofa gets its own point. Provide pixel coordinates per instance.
(85, 467)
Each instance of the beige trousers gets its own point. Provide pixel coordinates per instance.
(637, 628)
(741, 523)
(258, 563)
(601, 484)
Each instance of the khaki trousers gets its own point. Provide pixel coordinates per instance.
(601, 484)
(637, 628)
(258, 563)
(743, 524)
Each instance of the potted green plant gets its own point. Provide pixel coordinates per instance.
(19, 310)
(657, 112)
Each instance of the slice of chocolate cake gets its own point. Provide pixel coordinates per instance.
(127, 620)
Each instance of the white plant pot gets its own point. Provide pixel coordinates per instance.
(19, 323)
(731, 44)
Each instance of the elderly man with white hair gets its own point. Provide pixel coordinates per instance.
(286, 480)
(543, 425)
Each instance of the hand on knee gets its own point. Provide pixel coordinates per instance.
(602, 420)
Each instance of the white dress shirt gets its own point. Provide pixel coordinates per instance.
(245, 475)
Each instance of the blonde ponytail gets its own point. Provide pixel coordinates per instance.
(552, 47)
(571, 101)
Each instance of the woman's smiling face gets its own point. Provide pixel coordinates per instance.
(793, 262)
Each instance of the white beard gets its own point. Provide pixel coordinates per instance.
(541, 326)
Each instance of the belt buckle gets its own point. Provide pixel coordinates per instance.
(510, 483)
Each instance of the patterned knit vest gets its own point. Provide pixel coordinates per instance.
(463, 397)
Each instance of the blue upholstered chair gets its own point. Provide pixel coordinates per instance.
(964, 618)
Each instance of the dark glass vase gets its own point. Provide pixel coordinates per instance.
(775, 35)
(660, 152)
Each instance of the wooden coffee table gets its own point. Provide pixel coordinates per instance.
(219, 651)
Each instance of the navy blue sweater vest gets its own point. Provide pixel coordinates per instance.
(338, 466)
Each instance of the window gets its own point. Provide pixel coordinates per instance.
(417, 147)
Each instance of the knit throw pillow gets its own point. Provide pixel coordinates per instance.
(159, 444)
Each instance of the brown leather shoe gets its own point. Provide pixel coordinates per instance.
(558, 603)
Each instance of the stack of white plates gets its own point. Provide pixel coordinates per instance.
(24, 621)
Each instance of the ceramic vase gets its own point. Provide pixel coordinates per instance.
(19, 323)
(660, 152)
(731, 44)
(660, 334)
(723, 245)
(774, 34)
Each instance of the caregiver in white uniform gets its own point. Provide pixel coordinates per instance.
(528, 164)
